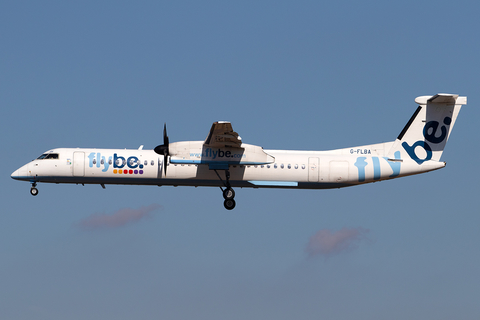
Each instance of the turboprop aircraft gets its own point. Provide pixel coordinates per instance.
(224, 161)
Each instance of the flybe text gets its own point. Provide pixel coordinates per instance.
(219, 153)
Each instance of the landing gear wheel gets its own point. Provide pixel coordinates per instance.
(229, 204)
(228, 194)
(33, 191)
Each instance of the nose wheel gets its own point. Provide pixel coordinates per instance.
(33, 190)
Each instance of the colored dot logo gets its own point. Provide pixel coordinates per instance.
(115, 171)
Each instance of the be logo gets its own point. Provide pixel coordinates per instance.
(133, 164)
(434, 134)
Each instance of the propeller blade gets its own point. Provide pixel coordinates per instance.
(164, 148)
(165, 137)
(165, 151)
(165, 164)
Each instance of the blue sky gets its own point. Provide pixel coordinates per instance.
(289, 75)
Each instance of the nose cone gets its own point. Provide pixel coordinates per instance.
(20, 174)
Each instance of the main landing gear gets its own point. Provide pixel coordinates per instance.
(228, 195)
(33, 190)
(228, 192)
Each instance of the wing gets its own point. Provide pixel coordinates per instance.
(222, 135)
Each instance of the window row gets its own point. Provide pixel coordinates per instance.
(132, 162)
(275, 166)
(282, 166)
(123, 162)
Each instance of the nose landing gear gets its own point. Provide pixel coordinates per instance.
(34, 190)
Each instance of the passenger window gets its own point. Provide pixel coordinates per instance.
(303, 166)
(275, 166)
(102, 161)
(152, 162)
(94, 161)
(296, 166)
(289, 166)
(282, 166)
(268, 166)
(145, 163)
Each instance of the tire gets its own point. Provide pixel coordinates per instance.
(228, 194)
(229, 204)
(33, 191)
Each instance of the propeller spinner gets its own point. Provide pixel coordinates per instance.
(163, 149)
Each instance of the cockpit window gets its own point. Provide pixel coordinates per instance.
(48, 156)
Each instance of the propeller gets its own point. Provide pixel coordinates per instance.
(163, 149)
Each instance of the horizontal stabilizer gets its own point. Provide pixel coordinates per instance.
(444, 98)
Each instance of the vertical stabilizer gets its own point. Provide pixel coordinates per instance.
(425, 135)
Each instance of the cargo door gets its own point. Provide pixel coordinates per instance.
(338, 171)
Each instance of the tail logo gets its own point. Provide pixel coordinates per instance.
(430, 132)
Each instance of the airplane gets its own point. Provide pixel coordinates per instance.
(224, 160)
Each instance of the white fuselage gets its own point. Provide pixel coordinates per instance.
(289, 169)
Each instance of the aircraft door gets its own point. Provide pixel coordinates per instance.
(78, 164)
(313, 164)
